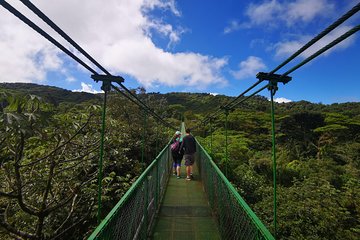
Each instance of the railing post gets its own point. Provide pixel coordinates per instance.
(273, 79)
(105, 87)
(211, 136)
(157, 140)
(226, 141)
(146, 203)
(157, 179)
(205, 135)
(143, 141)
(273, 88)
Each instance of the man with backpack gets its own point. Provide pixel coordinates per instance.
(189, 146)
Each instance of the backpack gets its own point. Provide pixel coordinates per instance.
(175, 146)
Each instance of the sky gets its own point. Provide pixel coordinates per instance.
(208, 46)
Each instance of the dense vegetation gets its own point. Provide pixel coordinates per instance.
(49, 154)
(49, 162)
(318, 166)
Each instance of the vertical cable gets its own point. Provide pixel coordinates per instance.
(101, 157)
(143, 140)
(211, 136)
(226, 142)
(272, 93)
(157, 140)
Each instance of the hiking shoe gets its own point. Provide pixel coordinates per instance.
(191, 176)
(188, 178)
(178, 177)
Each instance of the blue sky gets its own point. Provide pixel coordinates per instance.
(189, 45)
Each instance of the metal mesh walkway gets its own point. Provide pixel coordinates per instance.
(205, 209)
(185, 212)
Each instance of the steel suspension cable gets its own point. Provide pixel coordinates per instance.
(242, 94)
(139, 105)
(126, 96)
(47, 20)
(318, 37)
(31, 24)
(342, 19)
(77, 59)
(324, 49)
(246, 98)
(227, 105)
(235, 104)
(64, 49)
(152, 112)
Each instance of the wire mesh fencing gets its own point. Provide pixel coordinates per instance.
(234, 217)
(133, 216)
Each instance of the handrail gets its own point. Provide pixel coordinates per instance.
(132, 217)
(222, 197)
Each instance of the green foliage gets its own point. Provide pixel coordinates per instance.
(53, 95)
(318, 158)
(49, 162)
(309, 209)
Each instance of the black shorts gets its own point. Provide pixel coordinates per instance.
(177, 162)
(189, 159)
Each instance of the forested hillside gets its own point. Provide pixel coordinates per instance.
(49, 145)
(53, 95)
(318, 166)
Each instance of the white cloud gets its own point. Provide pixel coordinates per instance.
(286, 48)
(264, 12)
(166, 30)
(67, 75)
(233, 26)
(170, 4)
(24, 56)
(249, 67)
(282, 100)
(307, 10)
(70, 79)
(87, 88)
(117, 34)
(272, 13)
(214, 94)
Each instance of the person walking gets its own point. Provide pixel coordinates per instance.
(177, 153)
(188, 145)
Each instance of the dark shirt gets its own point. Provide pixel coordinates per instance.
(188, 144)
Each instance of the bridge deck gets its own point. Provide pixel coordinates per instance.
(185, 212)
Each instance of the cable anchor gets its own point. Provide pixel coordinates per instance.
(273, 79)
(107, 80)
(273, 87)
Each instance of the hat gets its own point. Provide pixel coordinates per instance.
(177, 133)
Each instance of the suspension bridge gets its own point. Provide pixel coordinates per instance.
(159, 206)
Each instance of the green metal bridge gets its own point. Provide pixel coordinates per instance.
(159, 206)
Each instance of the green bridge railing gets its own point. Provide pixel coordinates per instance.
(134, 215)
(235, 218)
